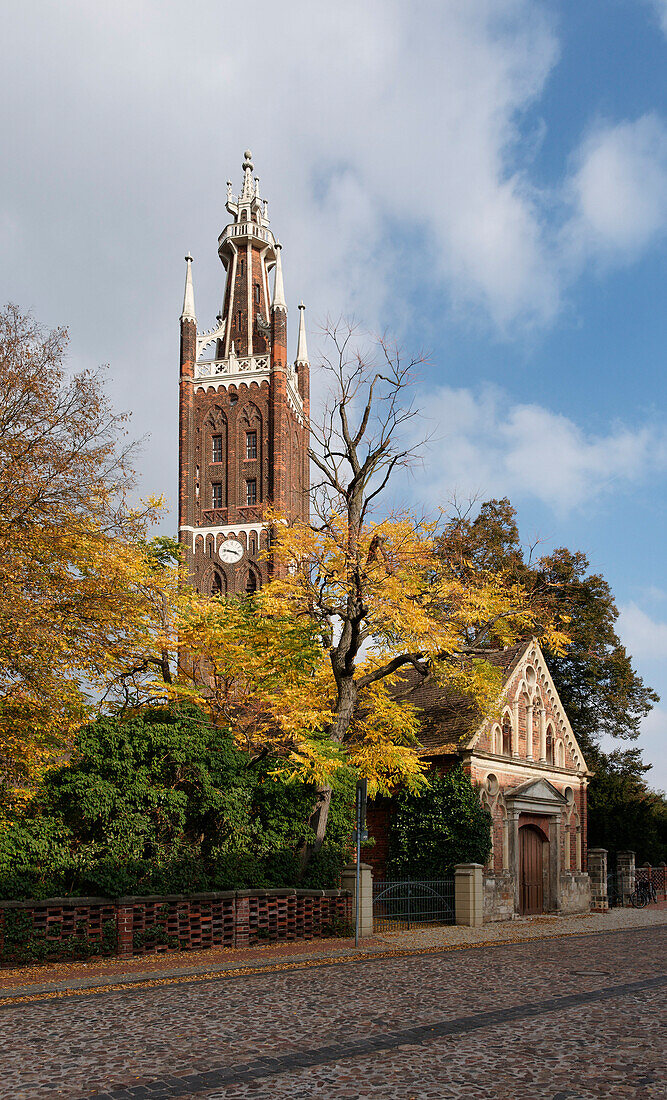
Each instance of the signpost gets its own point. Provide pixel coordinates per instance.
(360, 835)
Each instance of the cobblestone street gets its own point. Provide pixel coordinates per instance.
(571, 1018)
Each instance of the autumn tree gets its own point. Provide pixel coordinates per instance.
(371, 588)
(75, 584)
(594, 675)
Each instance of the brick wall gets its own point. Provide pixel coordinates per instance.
(61, 928)
(378, 823)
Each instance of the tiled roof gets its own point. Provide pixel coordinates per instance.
(448, 717)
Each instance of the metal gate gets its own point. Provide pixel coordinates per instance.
(401, 905)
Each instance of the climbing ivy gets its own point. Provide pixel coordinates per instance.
(434, 830)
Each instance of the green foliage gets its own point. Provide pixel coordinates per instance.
(438, 828)
(161, 801)
(23, 943)
(595, 679)
(623, 815)
(153, 937)
(596, 682)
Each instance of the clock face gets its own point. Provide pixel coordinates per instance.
(230, 551)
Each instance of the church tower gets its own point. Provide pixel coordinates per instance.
(243, 409)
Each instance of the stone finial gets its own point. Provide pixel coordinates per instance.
(248, 189)
(301, 347)
(278, 289)
(188, 313)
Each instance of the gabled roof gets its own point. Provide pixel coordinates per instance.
(448, 717)
(451, 721)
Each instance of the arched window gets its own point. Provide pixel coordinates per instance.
(550, 745)
(251, 583)
(252, 545)
(507, 736)
(218, 585)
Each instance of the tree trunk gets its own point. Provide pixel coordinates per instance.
(318, 822)
(347, 698)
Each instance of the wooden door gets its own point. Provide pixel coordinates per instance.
(530, 847)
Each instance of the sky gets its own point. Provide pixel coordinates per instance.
(485, 180)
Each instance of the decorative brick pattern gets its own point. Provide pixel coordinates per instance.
(56, 928)
(152, 924)
(165, 924)
(657, 876)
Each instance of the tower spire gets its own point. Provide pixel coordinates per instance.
(301, 347)
(188, 313)
(279, 290)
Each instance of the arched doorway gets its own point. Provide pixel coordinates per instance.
(531, 869)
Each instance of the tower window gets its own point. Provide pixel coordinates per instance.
(238, 319)
(216, 448)
(251, 491)
(216, 493)
(240, 267)
(257, 293)
(251, 444)
(253, 546)
(251, 584)
(217, 586)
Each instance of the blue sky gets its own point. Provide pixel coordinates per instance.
(486, 179)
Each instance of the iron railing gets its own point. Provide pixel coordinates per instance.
(401, 905)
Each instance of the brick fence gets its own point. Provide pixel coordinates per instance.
(657, 876)
(61, 928)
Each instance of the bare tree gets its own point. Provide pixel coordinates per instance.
(382, 598)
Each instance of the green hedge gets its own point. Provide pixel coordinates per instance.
(162, 802)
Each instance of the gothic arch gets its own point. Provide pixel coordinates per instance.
(496, 739)
(218, 583)
(252, 581)
(551, 743)
(507, 732)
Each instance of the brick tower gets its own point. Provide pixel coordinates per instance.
(243, 409)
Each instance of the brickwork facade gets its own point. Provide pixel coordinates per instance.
(532, 778)
(243, 434)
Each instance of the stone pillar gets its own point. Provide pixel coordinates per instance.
(597, 871)
(529, 732)
(349, 882)
(578, 849)
(625, 869)
(515, 728)
(506, 843)
(543, 735)
(469, 894)
(514, 859)
(567, 858)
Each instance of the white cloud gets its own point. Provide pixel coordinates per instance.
(645, 638)
(618, 191)
(653, 743)
(660, 7)
(484, 444)
(390, 139)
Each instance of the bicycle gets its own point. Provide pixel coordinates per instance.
(643, 893)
